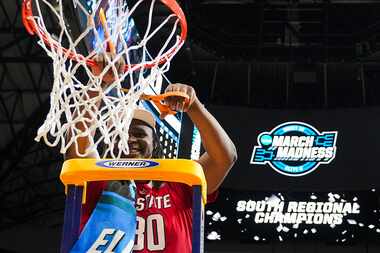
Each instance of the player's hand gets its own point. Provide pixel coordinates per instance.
(178, 103)
(101, 63)
(124, 188)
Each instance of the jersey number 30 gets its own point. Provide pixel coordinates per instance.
(150, 232)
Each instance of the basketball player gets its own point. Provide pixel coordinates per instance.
(164, 209)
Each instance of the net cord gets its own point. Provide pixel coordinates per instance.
(71, 104)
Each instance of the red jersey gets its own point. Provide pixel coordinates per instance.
(164, 216)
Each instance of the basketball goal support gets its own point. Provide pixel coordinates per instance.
(77, 172)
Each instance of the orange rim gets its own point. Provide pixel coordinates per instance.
(33, 29)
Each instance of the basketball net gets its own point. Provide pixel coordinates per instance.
(108, 114)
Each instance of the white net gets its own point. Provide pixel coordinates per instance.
(75, 111)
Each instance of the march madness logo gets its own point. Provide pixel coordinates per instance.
(295, 148)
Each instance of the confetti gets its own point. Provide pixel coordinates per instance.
(213, 236)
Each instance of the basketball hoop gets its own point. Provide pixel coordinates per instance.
(34, 26)
(74, 80)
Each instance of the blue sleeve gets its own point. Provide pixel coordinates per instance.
(111, 226)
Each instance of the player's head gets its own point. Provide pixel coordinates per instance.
(143, 140)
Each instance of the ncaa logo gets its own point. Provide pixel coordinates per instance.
(295, 148)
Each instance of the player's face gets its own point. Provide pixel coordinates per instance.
(140, 140)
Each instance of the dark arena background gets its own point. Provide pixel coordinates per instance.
(295, 83)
